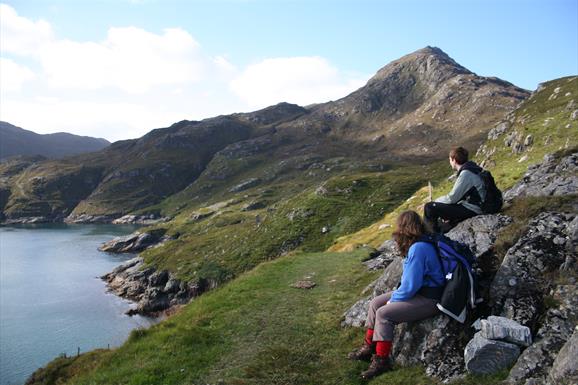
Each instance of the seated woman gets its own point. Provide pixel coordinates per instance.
(415, 299)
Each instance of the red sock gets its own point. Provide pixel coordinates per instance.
(369, 336)
(383, 348)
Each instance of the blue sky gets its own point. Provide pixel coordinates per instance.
(227, 56)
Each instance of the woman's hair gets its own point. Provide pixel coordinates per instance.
(409, 228)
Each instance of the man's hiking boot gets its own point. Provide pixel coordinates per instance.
(377, 366)
(363, 353)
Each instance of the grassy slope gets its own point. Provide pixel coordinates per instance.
(231, 241)
(254, 330)
(258, 330)
(546, 119)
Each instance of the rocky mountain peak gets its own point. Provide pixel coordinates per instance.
(431, 64)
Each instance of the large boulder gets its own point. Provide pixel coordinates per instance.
(518, 289)
(436, 343)
(486, 356)
(536, 362)
(479, 232)
(501, 328)
(551, 177)
(565, 367)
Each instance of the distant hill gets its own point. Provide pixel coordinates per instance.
(17, 141)
(411, 111)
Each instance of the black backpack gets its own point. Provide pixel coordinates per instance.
(460, 292)
(494, 200)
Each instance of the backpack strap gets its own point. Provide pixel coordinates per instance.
(429, 238)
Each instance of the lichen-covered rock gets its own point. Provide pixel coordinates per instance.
(387, 253)
(485, 356)
(498, 130)
(479, 232)
(133, 243)
(551, 177)
(501, 328)
(565, 367)
(436, 343)
(518, 288)
(357, 314)
(557, 328)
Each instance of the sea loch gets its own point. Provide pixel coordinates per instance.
(51, 299)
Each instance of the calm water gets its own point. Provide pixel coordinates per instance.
(51, 301)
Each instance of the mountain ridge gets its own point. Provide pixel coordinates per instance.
(411, 110)
(18, 141)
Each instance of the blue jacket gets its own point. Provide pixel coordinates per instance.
(420, 268)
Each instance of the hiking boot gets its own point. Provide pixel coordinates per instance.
(363, 353)
(377, 366)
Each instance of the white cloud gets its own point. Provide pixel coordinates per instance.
(300, 80)
(113, 121)
(22, 36)
(12, 75)
(131, 59)
(135, 80)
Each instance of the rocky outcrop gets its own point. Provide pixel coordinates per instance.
(487, 356)
(534, 285)
(357, 314)
(480, 232)
(136, 242)
(436, 343)
(519, 287)
(551, 177)
(153, 291)
(89, 219)
(148, 219)
(565, 367)
(246, 185)
(537, 362)
(386, 253)
(27, 220)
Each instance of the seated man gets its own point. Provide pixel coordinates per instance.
(465, 198)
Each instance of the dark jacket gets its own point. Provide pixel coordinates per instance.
(459, 293)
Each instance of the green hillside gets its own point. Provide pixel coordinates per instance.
(231, 240)
(256, 328)
(546, 118)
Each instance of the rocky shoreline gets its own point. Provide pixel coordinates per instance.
(154, 292)
(145, 220)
